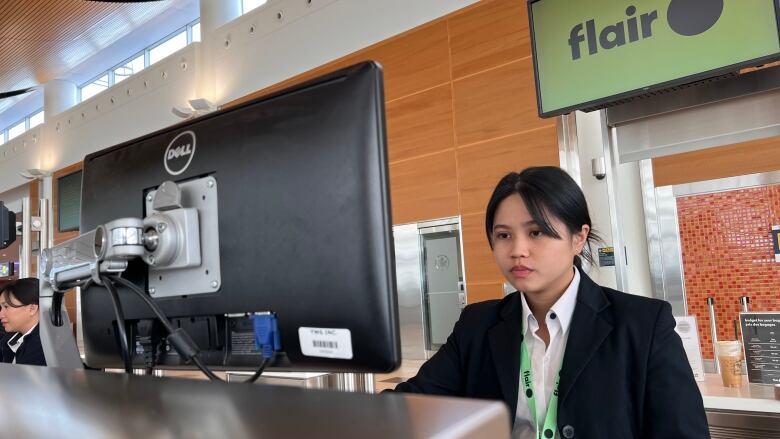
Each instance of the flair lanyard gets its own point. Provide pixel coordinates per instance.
(527, 376)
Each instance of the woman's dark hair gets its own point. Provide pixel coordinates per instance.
(547, 191)
(24, 290)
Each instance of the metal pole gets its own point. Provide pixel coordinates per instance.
(744, 301)
(44, 233)
(713, 332)
(25, 251)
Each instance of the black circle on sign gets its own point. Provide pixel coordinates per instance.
(693, 17)
(529, 393)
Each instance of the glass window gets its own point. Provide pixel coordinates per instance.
(36, 119)
(130, 68)
(94, 87)
(196, 32)
(2, 137)
(171, 45)
(248, 5)
(16, 130)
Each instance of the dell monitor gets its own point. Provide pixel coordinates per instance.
(293, 211)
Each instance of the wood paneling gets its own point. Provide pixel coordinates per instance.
(414, 61)
(478, 258)
(424, 188)
(481, 292)
(726, 161)
(490, 35)
(420, 124)
(480, 166)
(496, 103)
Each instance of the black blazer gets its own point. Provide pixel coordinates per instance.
(30, 352)
(625, 373)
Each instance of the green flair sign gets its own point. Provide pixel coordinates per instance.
(590, 52)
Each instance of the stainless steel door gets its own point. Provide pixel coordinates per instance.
(410, 297)
(443, 277)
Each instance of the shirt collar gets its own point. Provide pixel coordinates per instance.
(563, 308)
(16, 341)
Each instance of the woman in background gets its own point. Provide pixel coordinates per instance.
(570, 358)
(19, 316)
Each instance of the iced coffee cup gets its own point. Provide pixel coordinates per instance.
(730, 362)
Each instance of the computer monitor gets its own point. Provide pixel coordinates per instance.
(293, 199)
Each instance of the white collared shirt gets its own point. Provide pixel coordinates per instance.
(15, 342)
(545, 363)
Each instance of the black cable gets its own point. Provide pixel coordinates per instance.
(167, 323)
(266, 362)
(205, 369)
(120, 323)
(56, 308)
(169, 327)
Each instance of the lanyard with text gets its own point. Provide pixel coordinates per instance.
(527, 377)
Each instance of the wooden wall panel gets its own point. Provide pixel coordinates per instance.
(490, 35)
(481, 292)
(480, 166)
(420, 124)
(415, 61)
(424, 188)
(478, 258)
(496, 103)
(726, 161)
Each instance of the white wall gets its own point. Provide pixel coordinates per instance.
(632, 222)
(309, 36)
(18, 155)
(136, 106)
(590, 146)
(630, 210)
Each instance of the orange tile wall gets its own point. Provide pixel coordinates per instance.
(727, 253)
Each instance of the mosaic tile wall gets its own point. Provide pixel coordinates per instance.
(727, 253)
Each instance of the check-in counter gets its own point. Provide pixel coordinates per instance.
(746, 412)
(46, 402)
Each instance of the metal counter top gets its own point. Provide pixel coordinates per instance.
(41, 402)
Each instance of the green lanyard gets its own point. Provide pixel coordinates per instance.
(527, 377)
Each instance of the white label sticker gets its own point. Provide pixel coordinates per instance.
(326, 342)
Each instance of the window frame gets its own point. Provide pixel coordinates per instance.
(187, 28)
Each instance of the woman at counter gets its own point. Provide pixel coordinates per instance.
(570, 358)
(19, 316)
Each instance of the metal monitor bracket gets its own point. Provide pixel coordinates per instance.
(167, 239)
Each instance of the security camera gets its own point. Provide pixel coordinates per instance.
(599, 168)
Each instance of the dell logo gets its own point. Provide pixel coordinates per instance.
(685, 17)
(179, 153)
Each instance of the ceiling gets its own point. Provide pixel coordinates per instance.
(45, 39)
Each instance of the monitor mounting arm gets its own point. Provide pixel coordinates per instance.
(163, 239)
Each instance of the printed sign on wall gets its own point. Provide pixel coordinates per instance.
(761, 338)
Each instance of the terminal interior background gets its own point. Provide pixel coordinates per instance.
(685, 202)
